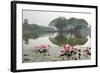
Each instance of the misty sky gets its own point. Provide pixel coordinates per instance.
(44, 18)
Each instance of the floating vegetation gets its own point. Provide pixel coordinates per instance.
(41, 53)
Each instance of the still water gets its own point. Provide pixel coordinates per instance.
(56, 41)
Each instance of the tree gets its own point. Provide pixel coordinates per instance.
(77, 24)
(59, 23)
(72, 24)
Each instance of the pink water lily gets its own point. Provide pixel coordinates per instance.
(68, 47)
(42, 46)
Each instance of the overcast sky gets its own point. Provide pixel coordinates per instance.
(44, 18)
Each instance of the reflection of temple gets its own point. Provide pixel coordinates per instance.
(27, 36)
(26, 41)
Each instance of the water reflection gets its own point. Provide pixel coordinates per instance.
(59, 39)
(49, 46)
(27, 36)
(68, 38)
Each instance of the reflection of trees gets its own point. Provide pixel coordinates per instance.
(61, 40)
(27, 36)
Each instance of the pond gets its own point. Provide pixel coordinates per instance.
(49, 45)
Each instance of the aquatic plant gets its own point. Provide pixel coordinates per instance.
(68, 50)
(42, 48)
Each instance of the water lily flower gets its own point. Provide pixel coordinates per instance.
(68, 47)
(42, 46)
(67, 50)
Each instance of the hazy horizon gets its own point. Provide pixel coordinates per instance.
(44, 18)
